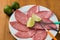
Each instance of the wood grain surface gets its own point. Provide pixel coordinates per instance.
(53, 5)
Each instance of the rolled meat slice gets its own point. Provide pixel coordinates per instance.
(33, 9)
(44, 14)
(40, 35)
(37, 26)
(28, 34)
(47, 26)
(18, 26)
(21, 17)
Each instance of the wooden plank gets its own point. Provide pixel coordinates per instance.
(27, 2)
(55, 7)
(8, 35)
(41, 2)
(2, 25)
(2, 20)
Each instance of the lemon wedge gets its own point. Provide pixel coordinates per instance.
(36, 18)
(30, 22)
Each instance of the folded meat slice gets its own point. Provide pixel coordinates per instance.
(21, 17)
(44, 14)
(33, 9)
(40, 35)
(37, 26)
(28, 34)
(47, 26)
(19, 26)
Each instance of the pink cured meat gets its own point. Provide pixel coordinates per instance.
(48, 26)
(37, 26)
(40, 35)
(49, 21)
(44, 14)
(21, 17)
(19, 26)
(32, 10)
(28, 34)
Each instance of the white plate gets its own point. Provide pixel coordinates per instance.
(25, 9)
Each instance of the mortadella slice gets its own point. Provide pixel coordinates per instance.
(47, 26)
(37, 26)
(40, 35)
(21, 17)
(28, 34)
(32, 10)
(44, 14)
(19, 26)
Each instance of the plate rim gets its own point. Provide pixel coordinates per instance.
(18, 9)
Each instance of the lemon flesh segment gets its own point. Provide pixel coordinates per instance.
(36, 18)
(30, 22)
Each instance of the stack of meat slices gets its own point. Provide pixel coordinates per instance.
(37, 32)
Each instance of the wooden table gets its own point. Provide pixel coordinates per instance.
(53, 5)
